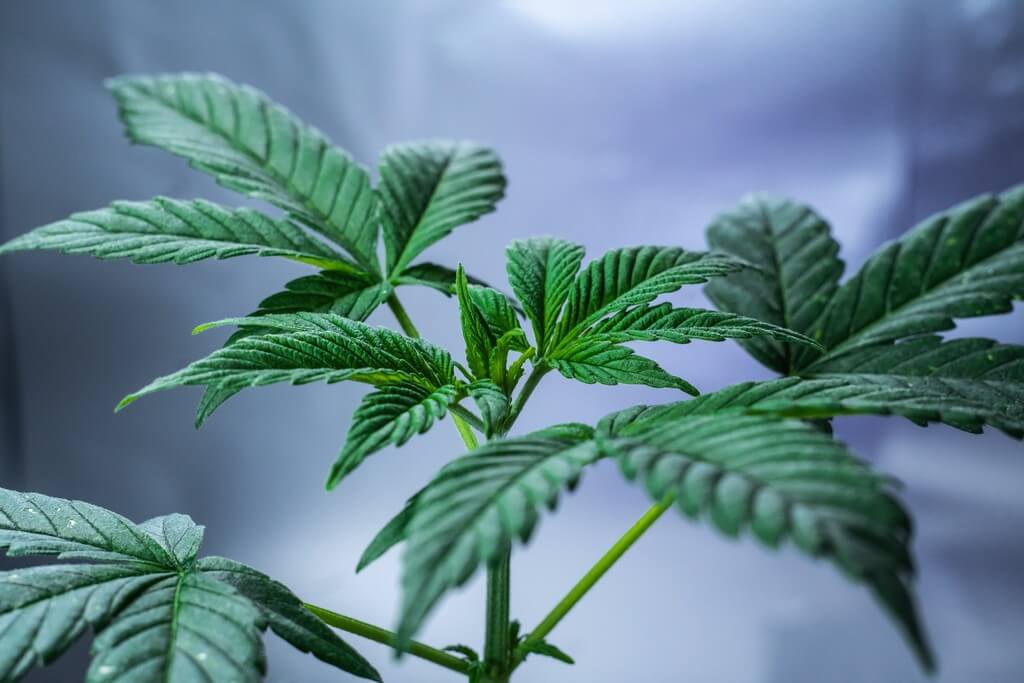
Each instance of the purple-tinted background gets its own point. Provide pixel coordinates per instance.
(619, 123)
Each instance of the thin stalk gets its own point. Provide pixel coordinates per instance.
(386, 637)
(534, 378)
(469, 418)
(402, 316)
(592, 577)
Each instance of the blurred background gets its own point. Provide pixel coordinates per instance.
(619, 123)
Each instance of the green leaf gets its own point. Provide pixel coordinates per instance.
(781, 479)
(427, 189)
(346, 294)
(965, 383)
(795, 273)
(493, 403)
(682, 325)
(546, 649)
(387, 538)
(185, 627)
(476, 331)
(172, 231)
(964, 262)
(158, 613)
(631, 277)
(310, 347)
(594, 361)
(287, 616)
(541, 271)
(473, 510)
(497, 312)
(256, 147)
(390, 416)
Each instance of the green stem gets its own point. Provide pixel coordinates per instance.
(497, 645)
(402, 316)
(592, 577)
(386, 637)
(469, 418)
(536, 375)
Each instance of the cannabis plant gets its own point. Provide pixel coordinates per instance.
(757, 458)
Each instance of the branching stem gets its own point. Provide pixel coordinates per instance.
(386, 637)
(592, 577)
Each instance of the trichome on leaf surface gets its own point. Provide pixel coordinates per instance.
(756, 457)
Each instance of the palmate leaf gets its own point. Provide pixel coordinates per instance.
(541, 271)
(781, 479)
(159, 614)
(252, 145)
(623, 278)
(427, 189)
(965, 383)
(171, 231)
(391, 415)
(965, 262)
(474, 509)
(795, 273)
(663, 322)
(602, 362)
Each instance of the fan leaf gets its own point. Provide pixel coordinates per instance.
(311, 347)
(795, 273)
(964, 262)
(474, 509)
(601, 362)
(427, 189)
(249, 144)
(541, 271)
(159, 614)
(631, 277)
(663, 322)
(390, 416)
(172, 231)
(781, 479)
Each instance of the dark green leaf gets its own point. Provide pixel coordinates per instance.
(390, 416)
(252, 145)
(287, 617)
(781, 479)
(476, 331)
(541, 271)
(475, 508)
(493, 404)
(796, 271)
(427, 189)
(965, 262)
(171, 231)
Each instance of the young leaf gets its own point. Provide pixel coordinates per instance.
(781, 479)
(541, 271)
(630, 277)
(391, 415)
(171, 231)
(311, 347)
(545, 649)
(796, 271)
(595, 361)
(473, 510)
(427, 189)
(158, 613)
(493, 404)
(252, 145)
(663, 322)
(287, 616)
(476, 332)
(391, 535)
(967, 261)
(497, 312)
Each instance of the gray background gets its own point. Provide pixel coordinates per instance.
(619, 123)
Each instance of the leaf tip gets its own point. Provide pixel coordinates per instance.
(125, 402)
